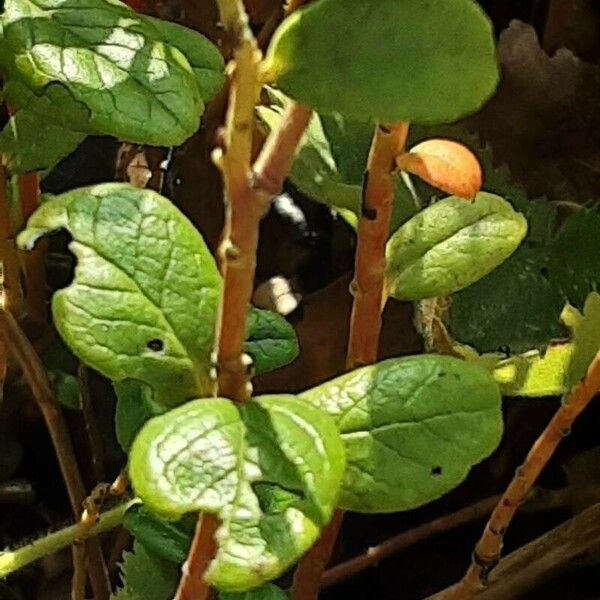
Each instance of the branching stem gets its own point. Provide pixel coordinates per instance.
(488, 549)
(248, 192)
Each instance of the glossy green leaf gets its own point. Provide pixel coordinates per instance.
(265, 592)
(387, 60)
(270, 470)
(517, 307)
(97, 67)
(451, 245)
(331, 159)
(143, 301)
(167, 540)
(145, 576)
(412, 428)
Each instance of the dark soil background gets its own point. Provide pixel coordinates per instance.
(544, 123)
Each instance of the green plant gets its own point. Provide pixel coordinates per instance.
(149, 309)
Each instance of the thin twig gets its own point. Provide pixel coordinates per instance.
(13, 560)
(35, 376)
(541, 559)
(538, 500)
(248, 192)
(488, 549)
(365, 326)
(78, 580)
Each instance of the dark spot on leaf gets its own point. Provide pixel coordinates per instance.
(504, 350)
(436, 471)
(545, 273)
(442, 374)
(156, 345)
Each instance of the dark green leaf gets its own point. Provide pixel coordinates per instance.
(385, 60)
(412, 428)
(134, 407)
(144, 576)
(266, 592)
(270, 340)
(209, 455)
(518, 306)
(167, 540)
(451, 245)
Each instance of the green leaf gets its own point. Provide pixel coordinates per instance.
(386, 60)
(518, 306)
(451, 245)
(168, 541)
(142, 304)
(556, 370)
(266, 592)
(145, 576)
(412, 428)
(134, 407)
(214, 456)
(30, 143)
(331, 159)
(66, 389)
(270, 341)
(144, 298)
(101, 68)
(586, 338)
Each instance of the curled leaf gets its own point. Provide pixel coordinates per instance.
(270, 470)
(446, 165)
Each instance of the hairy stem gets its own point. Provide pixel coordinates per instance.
(13, 560)
(365, 326)
(488, 549)
(35, 375)
(248, 192)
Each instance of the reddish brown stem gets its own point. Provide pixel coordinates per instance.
(365, 326)
(488, 549)
(373, 231)
(35, 376)
(248, 192)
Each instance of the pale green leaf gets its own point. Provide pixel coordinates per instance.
(412, 428)
(270, 470)
(387, 60)
(451, 245)
(144, 576)
(144, 298)
(586, 338)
